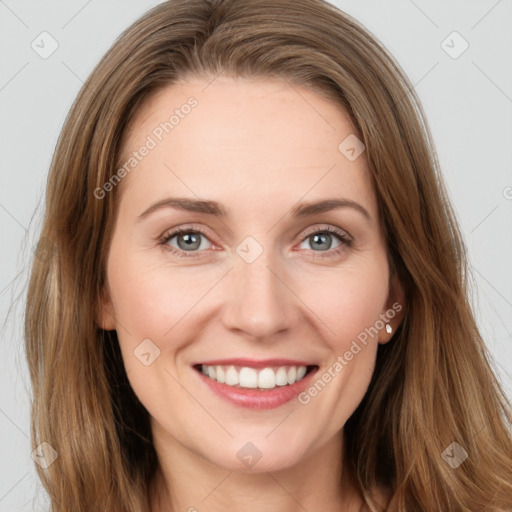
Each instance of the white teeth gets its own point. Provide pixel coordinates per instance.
(267, 379)
(292, 373)
(248, 378)
(301, 371)
(282, 376)
(231, 376)
(221, 374)
(245, 377)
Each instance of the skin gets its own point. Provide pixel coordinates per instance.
(258, 146)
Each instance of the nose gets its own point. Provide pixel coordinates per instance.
(259, 302)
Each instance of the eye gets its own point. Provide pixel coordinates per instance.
(322, 239)
(187, 240)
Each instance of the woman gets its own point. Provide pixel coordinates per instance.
(188, 349)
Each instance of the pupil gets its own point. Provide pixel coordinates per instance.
(324, 238)
(190, 239)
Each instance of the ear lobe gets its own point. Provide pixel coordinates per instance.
(105, 314)
(395, 310)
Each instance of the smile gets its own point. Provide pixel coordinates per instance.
(256, 384)
(252, 378)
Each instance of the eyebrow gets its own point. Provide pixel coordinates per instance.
(217, 210)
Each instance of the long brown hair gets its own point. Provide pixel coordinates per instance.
(433, 384)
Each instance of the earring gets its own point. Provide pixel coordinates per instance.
(389, 329)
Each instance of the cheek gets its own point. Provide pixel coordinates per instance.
(151, 299)
(347, 302)
(159, 303)
(153, 307)
(348, 308)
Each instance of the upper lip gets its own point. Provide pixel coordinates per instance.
(254, 363)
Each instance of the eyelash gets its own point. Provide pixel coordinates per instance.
(345, 240)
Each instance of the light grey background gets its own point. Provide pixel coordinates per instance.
(468, 101)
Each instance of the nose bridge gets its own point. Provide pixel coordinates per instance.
(259, 303)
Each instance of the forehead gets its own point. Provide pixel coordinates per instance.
(243, 139)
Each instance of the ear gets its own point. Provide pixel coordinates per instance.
(395, 310)
(105, 314)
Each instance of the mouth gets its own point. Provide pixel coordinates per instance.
(256, 384)
(262, 378)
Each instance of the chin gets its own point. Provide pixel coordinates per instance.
(258, 456)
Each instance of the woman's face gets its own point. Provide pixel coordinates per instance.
(260, 284)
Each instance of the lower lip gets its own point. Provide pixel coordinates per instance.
(255, 399)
